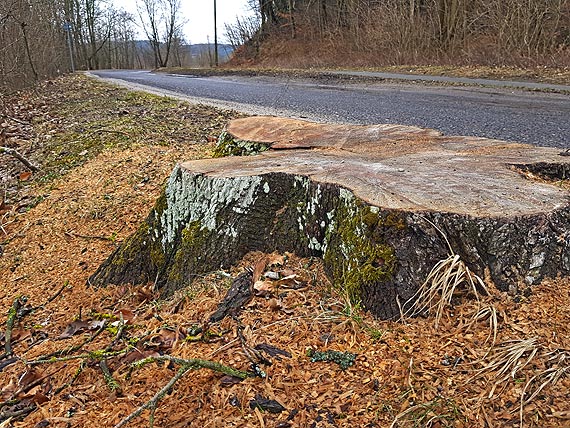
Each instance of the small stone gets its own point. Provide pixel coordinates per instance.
(271, 275)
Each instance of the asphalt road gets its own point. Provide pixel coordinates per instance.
(508, 114)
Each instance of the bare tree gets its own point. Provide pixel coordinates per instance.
(162, 22)
(120, 50)
(31, 42)
(242, 31)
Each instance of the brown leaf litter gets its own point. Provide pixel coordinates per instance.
(464, 373)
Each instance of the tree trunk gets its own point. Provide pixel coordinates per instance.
(378, 203)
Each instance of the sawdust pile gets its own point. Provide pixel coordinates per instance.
(73, 347)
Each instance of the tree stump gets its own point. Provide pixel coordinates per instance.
(378, 203)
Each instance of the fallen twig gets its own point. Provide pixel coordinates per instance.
(233, 342)
(153, 402)
(20, 157)
(35, 383)
(185, 366)
(73, 378)
(75, 347)
(89, 355)
(110, 131)
(12, 316)
(55, 296)
(6, 362)
(109, 379)
(252, 354)
(121, 327)
(17, 413)
(194, 363)
(21, 122)
(76, 235)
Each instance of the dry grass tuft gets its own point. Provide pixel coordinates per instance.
(443, 283)
(509, 359)
(437, 412)
(558, 366)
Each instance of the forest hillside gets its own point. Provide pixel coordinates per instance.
(372, 33)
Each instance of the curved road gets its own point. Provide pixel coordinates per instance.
(507, 114)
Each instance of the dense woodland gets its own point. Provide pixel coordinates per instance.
(37, 37)
(390, 32)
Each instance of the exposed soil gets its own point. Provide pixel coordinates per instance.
(60, 224)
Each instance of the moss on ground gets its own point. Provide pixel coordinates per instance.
(113, 117)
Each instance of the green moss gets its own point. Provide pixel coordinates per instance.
(130, 247)
(111, 382)
(394, 220)
(343, 359)
(97, 355)
(91, 116)
(229, 146)
(157, 256)
(156, 252)
(192, 235)
(370, 219)
(192, 242)
(112, 330)
(102, 316)
(133, 341)
(161, 204)
(141, 247)
(356, 254)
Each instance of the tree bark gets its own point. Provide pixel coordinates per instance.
(379, 204)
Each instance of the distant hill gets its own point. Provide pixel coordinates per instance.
(224, 50)
(196, 50)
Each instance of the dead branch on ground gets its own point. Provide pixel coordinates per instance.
(12, 318)
(185, 366)
(20, 157)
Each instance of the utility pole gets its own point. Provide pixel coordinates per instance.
(67, 28)
(215, 35)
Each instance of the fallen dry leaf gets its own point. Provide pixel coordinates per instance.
(275, 259)
(126, 314)
(258, 268)
(25, 176)
(76, 327)
(263, 288)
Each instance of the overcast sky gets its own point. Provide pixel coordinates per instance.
(199, 15)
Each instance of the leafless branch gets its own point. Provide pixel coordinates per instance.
(20, 157)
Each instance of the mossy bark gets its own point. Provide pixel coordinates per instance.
(212, 212)
(227, 145)
(377, 255)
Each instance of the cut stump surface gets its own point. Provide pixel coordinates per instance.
(378, 203)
